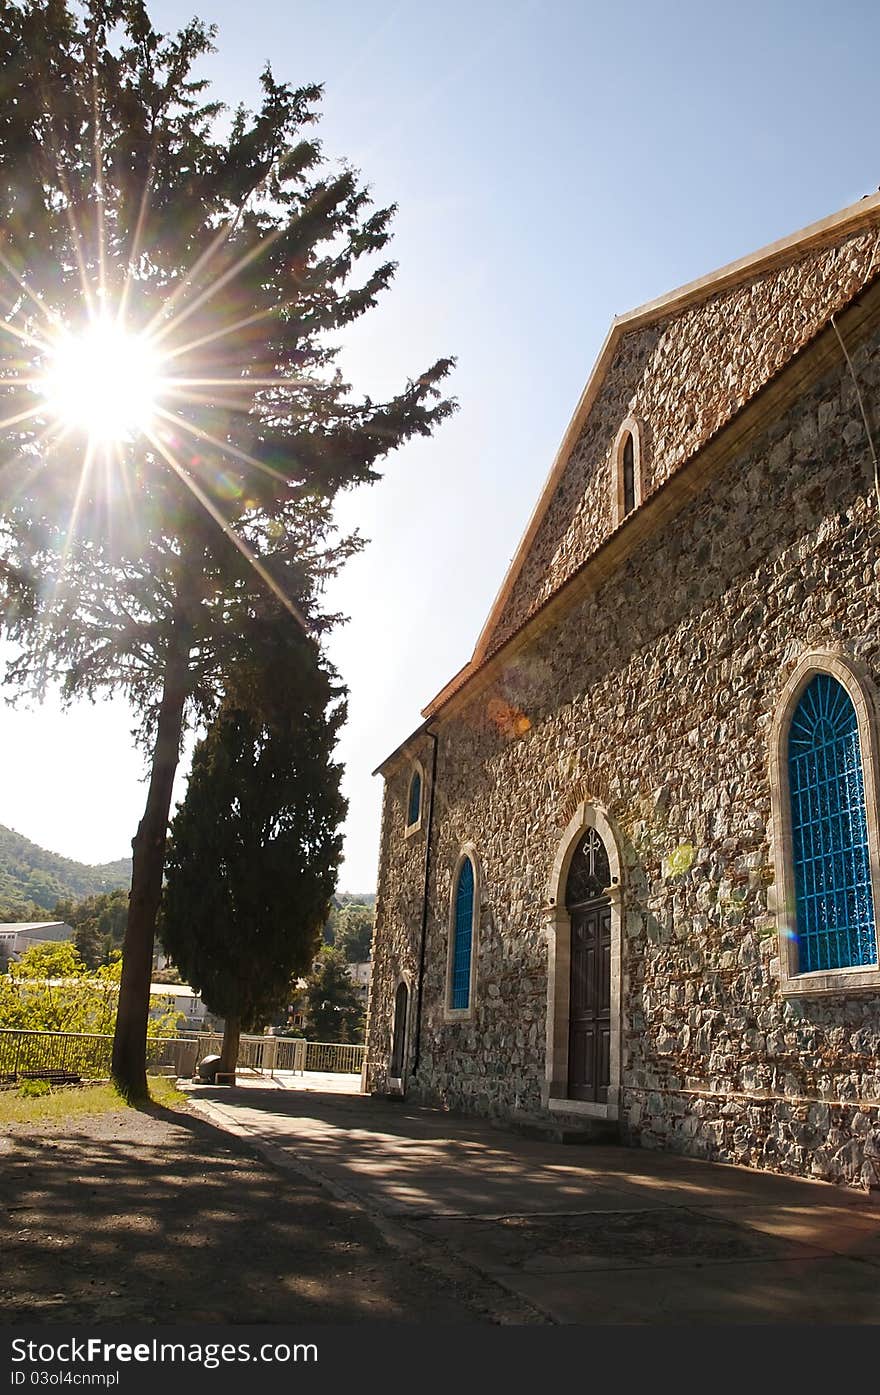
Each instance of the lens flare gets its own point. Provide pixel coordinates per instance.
(103, 380)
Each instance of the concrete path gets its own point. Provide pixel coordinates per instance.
(585, 1235)
(327, 1081)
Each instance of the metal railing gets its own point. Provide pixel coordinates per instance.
(78, 1053)
(255, 1054)
(88, 1054)
(333, 1056)
(266, 1055)
(176, 1056)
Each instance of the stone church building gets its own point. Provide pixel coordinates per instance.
(630, 861)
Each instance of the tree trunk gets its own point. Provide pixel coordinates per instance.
(229, 1049)
(129, 1067)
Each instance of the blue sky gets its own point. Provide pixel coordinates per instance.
(554, 164)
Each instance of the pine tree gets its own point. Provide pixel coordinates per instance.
(133, 562)
(334, 1011)
(254, 847)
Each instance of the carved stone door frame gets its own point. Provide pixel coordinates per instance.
(558, 932)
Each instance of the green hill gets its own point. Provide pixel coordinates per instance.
(32, 880)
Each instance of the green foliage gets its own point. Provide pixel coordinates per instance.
(254, 847)
(33, 881)
(334, 1011)
(354, 932)
(33, 1089)
(54, 959)
(98, 923)
(25, 912)
(62, 1104)
(242, 252)
(339, 908)
(49, 989)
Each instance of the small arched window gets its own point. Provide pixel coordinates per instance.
(414, 804)
(628, 466)
(589, 874)
(463, 935)
(829, 831)
(626, 459)
(398, 1039)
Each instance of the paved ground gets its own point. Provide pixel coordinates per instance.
(326, 1082)
(565, 1234)
(160, 1217)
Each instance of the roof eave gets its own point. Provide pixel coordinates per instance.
(731, 429)
(850, 218)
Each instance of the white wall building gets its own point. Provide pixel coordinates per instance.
(18, 936)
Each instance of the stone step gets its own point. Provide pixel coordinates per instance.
(563, 1130)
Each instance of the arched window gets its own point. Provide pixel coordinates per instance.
(398, 1041)
(463, 934)
(626, 458)
(589, 875)
(414, 805)
(628, 466)
(829, 831)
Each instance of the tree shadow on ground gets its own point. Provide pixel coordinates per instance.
(414, 1161)
(155, 1215)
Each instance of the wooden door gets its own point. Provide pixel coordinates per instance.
(589, 1030)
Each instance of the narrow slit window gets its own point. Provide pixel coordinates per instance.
(629, 475)
(834, 901)
(415, 800)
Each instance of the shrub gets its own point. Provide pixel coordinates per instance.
(31, 1089)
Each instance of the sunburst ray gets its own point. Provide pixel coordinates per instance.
(226, 527)
(259, 250)
(73, 521)
(76, 238)
(225, 447)
(171, 383)
(26, 415)
(42, 346)
(134, 250)
(223, 332)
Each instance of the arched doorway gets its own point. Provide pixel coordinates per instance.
(583, 917)
(589, 1014)
(398, 1036)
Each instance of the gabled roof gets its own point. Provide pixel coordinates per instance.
(779, 298)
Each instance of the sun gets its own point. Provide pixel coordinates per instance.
(104, 380)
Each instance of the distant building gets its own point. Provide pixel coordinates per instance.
(187, 1001)
(18, 936)
(360, 977)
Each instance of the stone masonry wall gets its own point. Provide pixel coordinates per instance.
(654, 697)
(723, 350)
(399, 893)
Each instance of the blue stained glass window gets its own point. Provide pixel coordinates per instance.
(415, 799)
(835, 907)
(464, 925)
